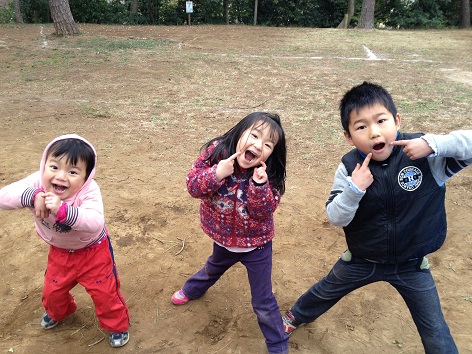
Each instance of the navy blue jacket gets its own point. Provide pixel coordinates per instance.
(402, 215)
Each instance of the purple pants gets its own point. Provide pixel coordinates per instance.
(259, 269)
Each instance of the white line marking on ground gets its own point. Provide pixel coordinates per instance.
(370, 54)
(313, 58)
(43, 37)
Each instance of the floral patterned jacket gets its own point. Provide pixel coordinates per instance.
(235, 212)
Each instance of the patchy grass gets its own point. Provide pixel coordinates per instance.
(98, 44)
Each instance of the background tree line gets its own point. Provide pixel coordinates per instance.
(407, 14)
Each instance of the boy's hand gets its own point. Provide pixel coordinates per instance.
(53, 202)
(225, 167)
(260, 174)
(361, 176)
(414, 148)
(40, 206)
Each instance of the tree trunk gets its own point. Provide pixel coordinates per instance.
(16, 8)
(226, 10)
(350, 12)
(255, 12)
(465, 14)
(62, 17)
(134, 8)
(367, 15)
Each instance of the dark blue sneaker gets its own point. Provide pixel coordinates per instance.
(47, 322)
(118, 339)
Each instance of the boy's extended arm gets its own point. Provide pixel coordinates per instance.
(20, 194)
(452, 153)
(344, 198)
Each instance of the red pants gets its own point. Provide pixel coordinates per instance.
(93, 268)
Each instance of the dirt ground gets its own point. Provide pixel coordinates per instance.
(148, 98)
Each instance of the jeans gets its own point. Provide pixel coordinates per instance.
(258, 263)
(413, 280)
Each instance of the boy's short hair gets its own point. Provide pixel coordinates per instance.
(74, 150)
(360, 96)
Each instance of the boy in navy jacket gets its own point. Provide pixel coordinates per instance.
(388, 195)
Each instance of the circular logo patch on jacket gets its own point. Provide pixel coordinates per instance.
(410, 178)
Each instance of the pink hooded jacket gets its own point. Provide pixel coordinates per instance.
(82, 221)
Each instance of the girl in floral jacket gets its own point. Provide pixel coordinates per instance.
(240, 177)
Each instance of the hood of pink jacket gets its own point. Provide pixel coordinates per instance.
(89, 180)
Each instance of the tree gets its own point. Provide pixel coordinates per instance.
(255, 11)
(465, 14)
(226, 10)
(367, 15)
(134, 10)
(16, 9)
(62, 17)
(347, 17)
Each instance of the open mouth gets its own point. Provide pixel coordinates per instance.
(379, 146)
(58, 189)
(249, 156)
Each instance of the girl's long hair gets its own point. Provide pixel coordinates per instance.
(227, 143)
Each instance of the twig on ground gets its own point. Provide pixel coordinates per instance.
(223, 347)
(77, 331)
(181, 248)
(130, 297)
(96, 342)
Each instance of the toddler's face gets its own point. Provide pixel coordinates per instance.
(255, 145)
(62, 178)
(372, 129)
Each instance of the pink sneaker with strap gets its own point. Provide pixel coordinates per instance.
(179, 298)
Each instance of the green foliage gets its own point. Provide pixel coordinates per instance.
(93, 11)
(241, 12)
(304, 13)
(7, 14)
(169, 13)
(35, 11)
(418, 13)
(211, 11)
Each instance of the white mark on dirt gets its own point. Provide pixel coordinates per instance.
(370, 54)
(38, 99)
(43, 37)
(315, 58)
(457, 75)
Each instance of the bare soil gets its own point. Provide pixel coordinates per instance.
(148, 98)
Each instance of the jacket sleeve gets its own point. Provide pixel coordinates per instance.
(87, 213)
(201, 180)
(262, 201)
(344, 198)
(452, 153)
(20, 194)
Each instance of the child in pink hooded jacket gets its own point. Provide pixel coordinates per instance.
(68, 214)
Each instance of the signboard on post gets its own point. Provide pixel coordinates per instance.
(189, 6)
(188, 10)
